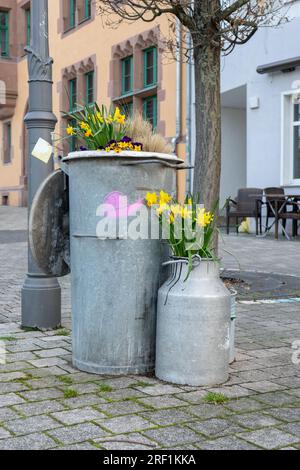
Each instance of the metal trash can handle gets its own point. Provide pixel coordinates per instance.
(176, 166)
(196, 260)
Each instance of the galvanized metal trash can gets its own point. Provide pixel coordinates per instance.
(193, 320)
(114, 280)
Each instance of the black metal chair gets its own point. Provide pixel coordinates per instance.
(293, 214)
(274, 196)
(248, 203)
(287, 209)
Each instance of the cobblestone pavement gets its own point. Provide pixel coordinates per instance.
(47, 404)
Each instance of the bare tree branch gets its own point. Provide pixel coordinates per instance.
(232, 8)
(208, 22)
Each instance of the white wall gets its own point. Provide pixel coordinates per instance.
(264, 123)
(234, 170)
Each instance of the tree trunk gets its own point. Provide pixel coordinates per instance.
(208, 124)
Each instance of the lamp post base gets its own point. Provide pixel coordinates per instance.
(41, 302)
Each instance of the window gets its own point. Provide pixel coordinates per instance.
(150, 110)
(134, 77)
(290, 138)
(89, 88)
(75, 12)
(127, 75)
(4, 33)
(28, 26)
(296, 141)
(7, 142)
(73, 93)
(72, 13)
(150, 66)
(87, 9)
(5, 200)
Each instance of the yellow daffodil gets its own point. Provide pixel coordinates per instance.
(121, 119)
(190, 202)
(185, 212)
(84, 125)
(204, 218)
(99, 117)
(88, 133)
(175, 209)
(70, 130)
(162, 208)
(164, 197)
(118, 117)
(151, 199)
(171, 218)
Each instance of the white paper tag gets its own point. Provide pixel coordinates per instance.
(42, 150)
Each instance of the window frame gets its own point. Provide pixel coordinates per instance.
(145, 101)
(6, 30)
(145, 67)
(87, 9)
(287, 139)
(72, 104)
(87, 88)
(7, 139)
(294, 124)
(28, 26)
(72, 14)
(124, 61)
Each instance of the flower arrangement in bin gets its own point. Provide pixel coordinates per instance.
(100, 128)
(189, 228)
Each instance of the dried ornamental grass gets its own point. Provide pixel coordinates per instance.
(141, 131)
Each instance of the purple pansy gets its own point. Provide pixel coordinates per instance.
(126, 139)
(137, 144)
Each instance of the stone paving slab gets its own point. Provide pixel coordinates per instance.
(269, 438)
(256, 420)
(173, 435)
(125, 424)
(30, 425)
(227, 442)
(30, 442)
(77, 416)
(215, 427)
(77, 433)
(130, 441)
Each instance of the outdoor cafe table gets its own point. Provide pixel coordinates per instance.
(277, 203)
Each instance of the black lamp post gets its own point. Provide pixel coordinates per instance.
(41, 294)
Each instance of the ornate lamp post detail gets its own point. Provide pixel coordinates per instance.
(41, 294)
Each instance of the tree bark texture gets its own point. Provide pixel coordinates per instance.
(208, 125)
(206, 52)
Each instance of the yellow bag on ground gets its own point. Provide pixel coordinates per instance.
(245, 226)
